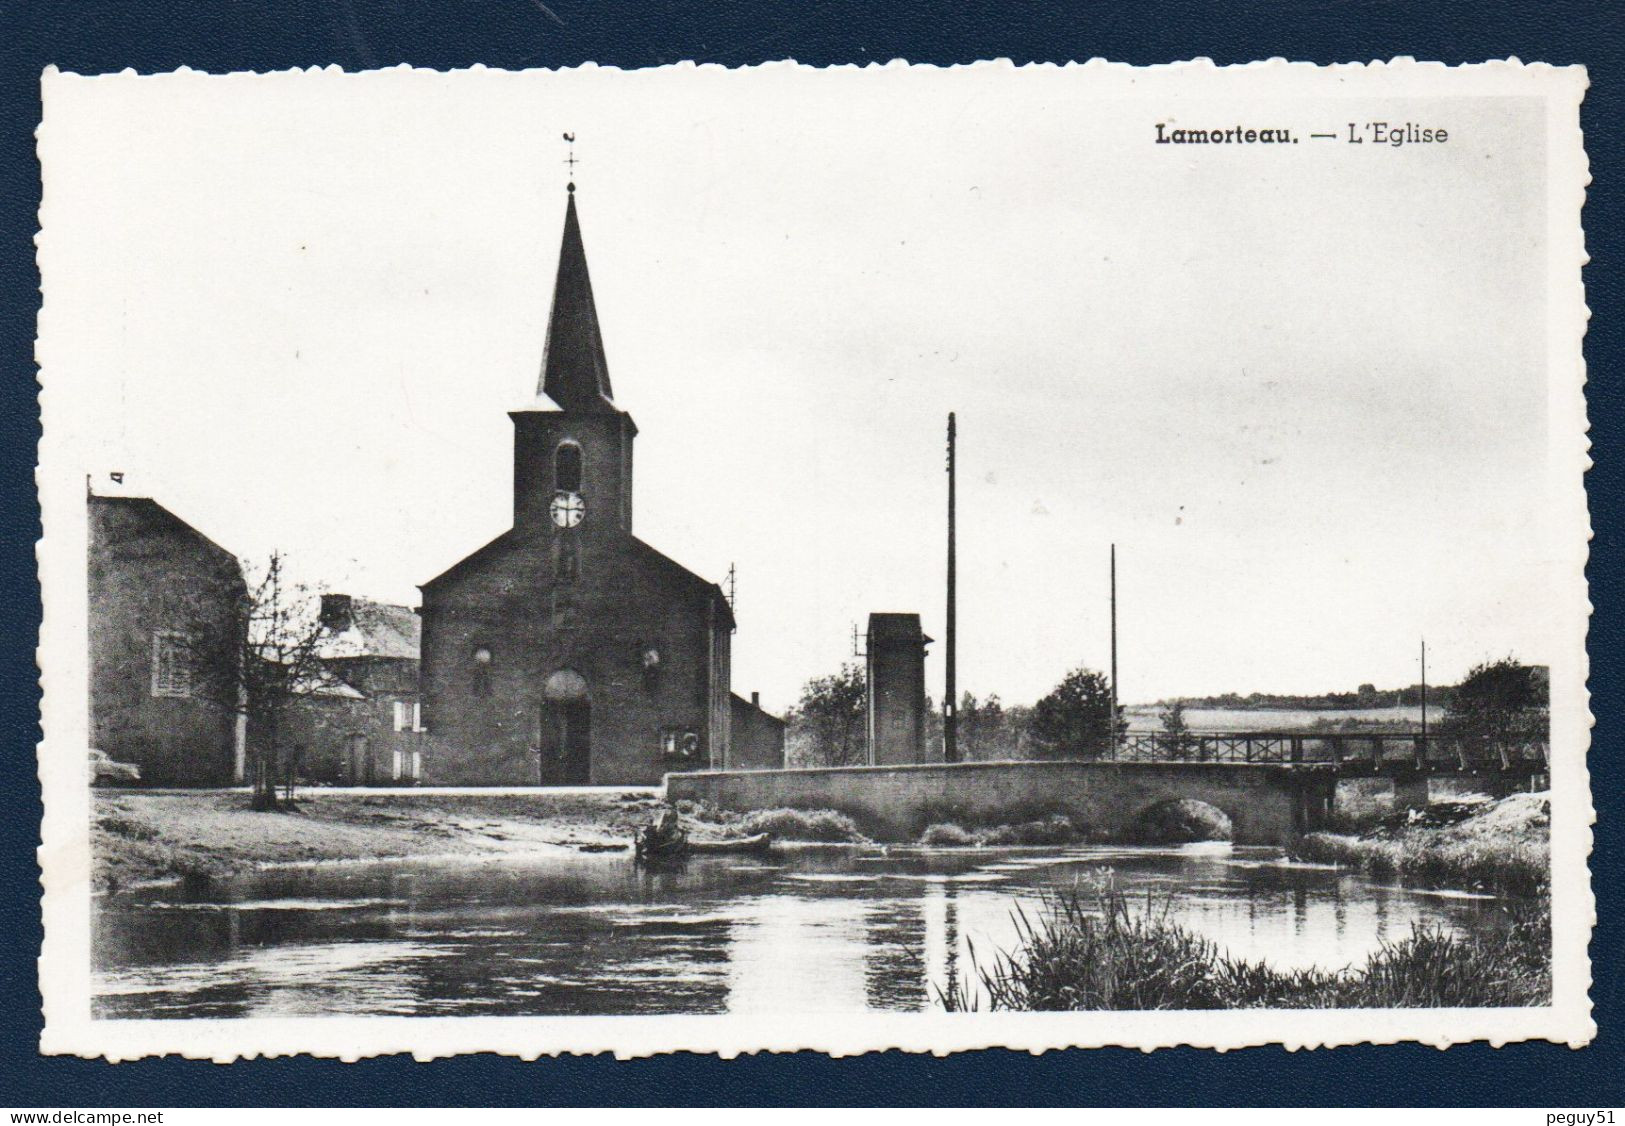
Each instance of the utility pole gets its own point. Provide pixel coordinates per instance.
(950, 703)
(1424, 696)
(1114, 650)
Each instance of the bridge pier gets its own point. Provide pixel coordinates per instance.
(1411, 792)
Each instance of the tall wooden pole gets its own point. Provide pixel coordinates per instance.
(1114, 651)
(1424, 695)
(950, 702)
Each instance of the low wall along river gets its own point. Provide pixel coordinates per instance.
(1267, 804)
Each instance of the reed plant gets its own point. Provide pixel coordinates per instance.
(1093, 947)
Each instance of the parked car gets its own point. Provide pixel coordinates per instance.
(106, 771)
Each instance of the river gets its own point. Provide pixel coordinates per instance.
(820, 930)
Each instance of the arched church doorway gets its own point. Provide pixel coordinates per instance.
(564, 731)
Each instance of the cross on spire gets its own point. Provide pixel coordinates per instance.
(570, 158)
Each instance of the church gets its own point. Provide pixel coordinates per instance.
(567, 651)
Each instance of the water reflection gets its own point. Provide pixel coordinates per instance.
(813, 932)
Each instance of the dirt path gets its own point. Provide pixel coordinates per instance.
(141, 837)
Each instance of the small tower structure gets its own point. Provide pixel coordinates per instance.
(896, 687)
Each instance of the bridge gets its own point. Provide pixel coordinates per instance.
(1273, 786)
(1353, 753)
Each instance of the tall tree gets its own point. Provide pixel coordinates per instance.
(826, 728)
(1176, 730)
(1075, 719)
(1501, 709)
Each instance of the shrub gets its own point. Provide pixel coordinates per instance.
(1182, 821)
(130, 830)
(705, 811)
(946, 834)
(1056, 829)
(825, 825)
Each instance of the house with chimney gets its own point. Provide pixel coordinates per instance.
(362, 725)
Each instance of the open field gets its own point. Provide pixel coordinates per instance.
(1148, 717)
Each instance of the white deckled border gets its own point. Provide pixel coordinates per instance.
(64, 855)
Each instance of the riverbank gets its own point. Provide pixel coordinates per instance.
(1503, 847)
(1095, 950)
(140, 837)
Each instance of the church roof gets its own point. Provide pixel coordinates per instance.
(575, 374)
(657, 560)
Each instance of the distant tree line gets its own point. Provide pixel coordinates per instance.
(1366, 696)
(1499, 712)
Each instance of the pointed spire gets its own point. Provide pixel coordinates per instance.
(575, 374)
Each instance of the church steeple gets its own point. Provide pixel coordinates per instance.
(575, 374)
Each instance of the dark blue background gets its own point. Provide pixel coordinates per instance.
(225, 35)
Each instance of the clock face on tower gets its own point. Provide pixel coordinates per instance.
(567, 509)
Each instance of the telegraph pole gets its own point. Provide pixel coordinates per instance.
(950, 708)
(1114, 650)
(1424, 695)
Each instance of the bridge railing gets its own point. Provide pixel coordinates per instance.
(1373, 749)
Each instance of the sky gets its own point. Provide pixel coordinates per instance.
(1302, 388)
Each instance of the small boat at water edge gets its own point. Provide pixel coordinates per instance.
(666, 839)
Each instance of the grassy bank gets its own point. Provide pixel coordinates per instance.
(1503, 847)
(1093, 949)
(139, 837)
(818, 826)
(143, 837)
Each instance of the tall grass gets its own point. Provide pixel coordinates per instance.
(825, 825)
(1056, 829)
(1511, 866)
(1092, 948)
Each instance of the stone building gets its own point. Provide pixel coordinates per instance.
(758, 737)
(567, 651)
(168, 608)
(895, 675)
(362, 726)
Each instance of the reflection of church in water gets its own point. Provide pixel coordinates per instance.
(567, 651)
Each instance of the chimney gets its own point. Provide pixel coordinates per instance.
(335, 614)
(756, 700)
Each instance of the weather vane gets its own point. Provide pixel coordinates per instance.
(570, 159)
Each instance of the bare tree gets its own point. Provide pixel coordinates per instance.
(272, 661)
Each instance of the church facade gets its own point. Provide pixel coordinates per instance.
(567, 651)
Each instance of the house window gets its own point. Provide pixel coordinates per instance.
(679, 743)
(482, 671)
(171, 664)
(567, 468)
(397, 766)
(561, 609)
(401, 715)
(417, 719)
